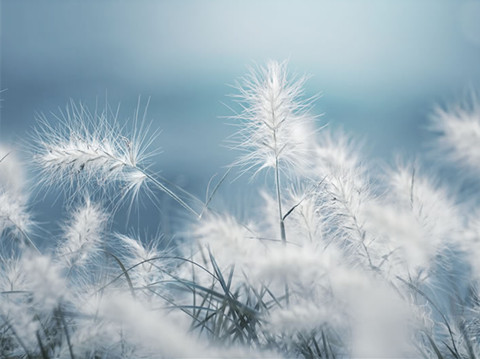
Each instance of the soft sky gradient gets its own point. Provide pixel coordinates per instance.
(379, 65)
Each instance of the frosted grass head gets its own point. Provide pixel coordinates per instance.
(277, 129)
(458, 127)
(91, 149)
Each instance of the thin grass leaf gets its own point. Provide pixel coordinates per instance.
(435, 348)
(40, 344)
(125, 272)
(324, 340)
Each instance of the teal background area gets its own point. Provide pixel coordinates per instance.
(379, 66)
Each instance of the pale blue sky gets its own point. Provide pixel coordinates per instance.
(379, 65)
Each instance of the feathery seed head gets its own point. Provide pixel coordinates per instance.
(459, 132)
(148, 268)
(86, 148)
(278, 128)
(83, 234)
(337, 156)
(430, 204)
(400, 239)
(305, 222)
(345, 190)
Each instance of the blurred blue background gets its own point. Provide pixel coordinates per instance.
(380, 66)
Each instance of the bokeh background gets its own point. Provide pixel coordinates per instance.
(380, 66)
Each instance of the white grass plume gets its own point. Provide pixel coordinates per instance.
(430, 203)
(458, 127)
(88, 147)
(402, 245)
(350, 269)
(305, 221)
(83, 235)
(148, 266)
(91, 151)
(277, 128)
(344, 193)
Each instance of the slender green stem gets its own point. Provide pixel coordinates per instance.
(65, 329)
(283, 235)
(279, 201)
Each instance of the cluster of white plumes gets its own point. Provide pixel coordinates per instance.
(340, 258)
